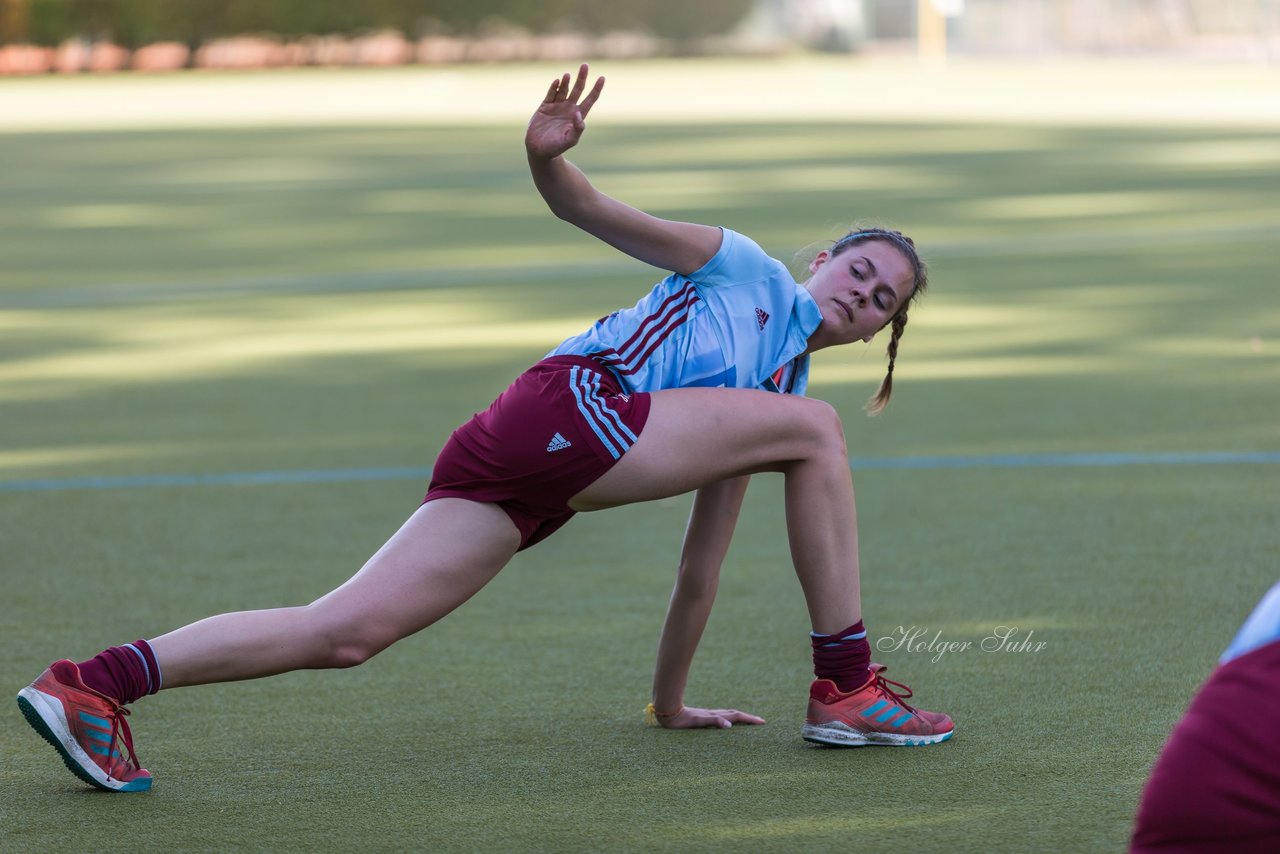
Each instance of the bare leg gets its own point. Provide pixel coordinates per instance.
(697, 436)
(443, 555)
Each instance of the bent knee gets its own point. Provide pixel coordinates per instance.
(350, 654)
(341, 645)
(824, 430)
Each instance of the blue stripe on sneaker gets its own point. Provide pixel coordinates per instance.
(104, 751)
(886, 714)
(879, 704)
(98, 736)
(900, 720)
(96, 721)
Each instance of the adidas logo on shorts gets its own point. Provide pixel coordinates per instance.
(558, 443)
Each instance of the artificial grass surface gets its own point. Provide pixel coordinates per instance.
(275, 300)
(516, 722)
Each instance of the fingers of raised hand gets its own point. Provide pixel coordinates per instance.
(589, 101)
(560, 90)
(579, 84)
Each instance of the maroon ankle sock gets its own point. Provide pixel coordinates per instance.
(123, 673)
(844, 657)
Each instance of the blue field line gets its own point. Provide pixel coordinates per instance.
(256, 478)
(1018, 461)
(1008, 461)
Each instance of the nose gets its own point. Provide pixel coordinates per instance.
(860, 298)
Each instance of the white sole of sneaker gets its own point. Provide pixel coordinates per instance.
(842, 735)
(46, 716)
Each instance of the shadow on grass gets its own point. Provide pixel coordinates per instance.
(1089, 296)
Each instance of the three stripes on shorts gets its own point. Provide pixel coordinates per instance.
(603, 421)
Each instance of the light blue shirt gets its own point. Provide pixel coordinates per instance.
(741, 321)
(1261, 628)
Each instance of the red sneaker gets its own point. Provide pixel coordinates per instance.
(873, 714)
(86, 727)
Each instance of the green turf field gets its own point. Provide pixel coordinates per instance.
(322, 298)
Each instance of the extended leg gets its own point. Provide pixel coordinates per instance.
(442, 556)
(447, 551)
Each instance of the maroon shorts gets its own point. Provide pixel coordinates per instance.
(560, 426)
(1216, 785)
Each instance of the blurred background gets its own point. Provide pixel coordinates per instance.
(37, 36)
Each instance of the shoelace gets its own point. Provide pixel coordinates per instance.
(883, 685)
(120, 729)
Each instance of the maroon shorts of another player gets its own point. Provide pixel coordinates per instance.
(1216, 785)
(560, 426)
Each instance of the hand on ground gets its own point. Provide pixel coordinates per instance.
(690, 717)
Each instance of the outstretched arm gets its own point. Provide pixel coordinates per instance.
(681, 247)
(706, 541)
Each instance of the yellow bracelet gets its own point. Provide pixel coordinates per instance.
(653, 717)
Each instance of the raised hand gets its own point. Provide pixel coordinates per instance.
(691, 718)
(561, 117)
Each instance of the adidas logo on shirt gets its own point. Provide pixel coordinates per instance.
(558, 443)
(762, 317)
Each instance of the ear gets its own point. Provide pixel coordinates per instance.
(819, 260)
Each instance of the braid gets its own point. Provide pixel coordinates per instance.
(920, 277)
(877, 404)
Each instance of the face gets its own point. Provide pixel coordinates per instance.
(858, 291)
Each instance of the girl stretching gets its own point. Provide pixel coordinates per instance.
(698, 386)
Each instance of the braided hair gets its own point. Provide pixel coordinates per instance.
(898, 325)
